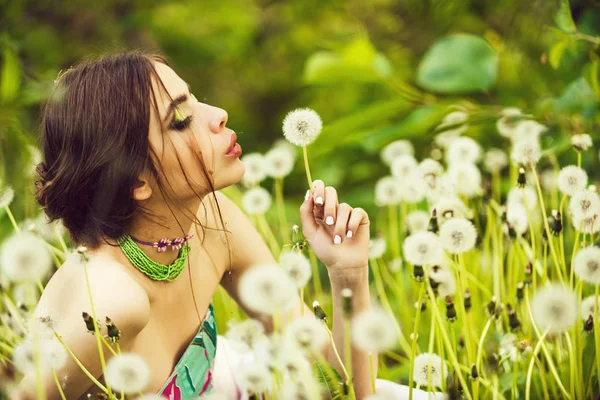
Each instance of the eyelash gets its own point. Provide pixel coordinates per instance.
(180, 125)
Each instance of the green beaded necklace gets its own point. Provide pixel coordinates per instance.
(154, 270)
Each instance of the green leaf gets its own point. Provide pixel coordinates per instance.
(10, 76)
(578, 97)
(557, 51)
(563, 18)
(329, 378)
(590, 72)
(457, 64)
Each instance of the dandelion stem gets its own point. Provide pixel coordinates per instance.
(486, 328)
(372, 369)
(413, 349)
(307, 168)
(11, 217)
(283, 224)
(60, 391)
(335, 351)
(597, 328)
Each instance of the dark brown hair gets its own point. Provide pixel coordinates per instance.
(94, 142)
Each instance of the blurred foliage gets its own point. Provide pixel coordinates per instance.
(375, 71)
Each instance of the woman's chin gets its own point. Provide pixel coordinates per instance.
(231, 175)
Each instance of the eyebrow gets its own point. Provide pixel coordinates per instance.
(182, 98)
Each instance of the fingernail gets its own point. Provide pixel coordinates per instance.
(319, 200)
(307, 195)
(337, 239)
(329, 220)
(349, 234)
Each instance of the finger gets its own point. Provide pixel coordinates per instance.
(341, 224)
(319, 199)
(307, 218)
(331, 205)
(358, 217)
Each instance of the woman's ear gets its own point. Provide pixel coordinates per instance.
(142, 190)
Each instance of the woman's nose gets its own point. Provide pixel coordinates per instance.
(218, 120)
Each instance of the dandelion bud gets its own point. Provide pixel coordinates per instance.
(467, 300)
(461, 341)
(492, 305)
(89, 322)
(319, 313)
(114, 334)
(345, 388)
(412, 336)
(433, 222)
(423, 305)
(82, 250)
(453, 387)
(528, 273)
(555, 223)
(513, 320)
(418, 273)
(521, 179)
(520, 293)
(589, 324)
(450, 310)
(474, 374)
(347, 302)
(581, 142)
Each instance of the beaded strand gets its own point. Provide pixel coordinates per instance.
(154, 270)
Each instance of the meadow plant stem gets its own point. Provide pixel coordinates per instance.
(302, 301)
(544, 384)
(394, 235)
(486, 328)
(573, 253)
(268, 233)
(348, 349)
(597, 328)
(108, 345)
(536, 350)
(11, 217)
(60, 391)
(37, 360)
(307, 168)
(430, 348)
(413, 348)
(372, 369)
(337, 354)
(60, 240)
(283, 224)
(97, 332)
(80, 365)
(572, 365)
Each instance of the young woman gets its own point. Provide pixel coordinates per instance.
(130, 157)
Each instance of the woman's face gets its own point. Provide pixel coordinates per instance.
(195, 131)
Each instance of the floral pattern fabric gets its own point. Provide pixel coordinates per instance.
(192, 375)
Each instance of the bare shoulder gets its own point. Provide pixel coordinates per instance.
(115, 293)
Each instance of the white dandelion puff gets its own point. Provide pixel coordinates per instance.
(516, 216)
(292, 363)
(463, 150)
(429, 367)
(571, 180)
(430, 169)
(23, 357)
(302, 126)
(442, 188)
(549, 179)
(256, 167)
(254, 377)
(584, 204)
(307, 333)
(445, 280)
(413, 188)
(458, 235)
(451, 207)
(528, 130)
(589, 224)
(581, 142)
(374, 330)
(267, 288)
(515, 196)
(587, 307)
(396, 264)
(396, 149)
(287, 146)
(55, 355)
(423, 248)
(377, 247)
(278, 162)
(417, 221)
(507, 124)
(508, 346)
(247, 335)
(7, 194)
(495, 160)
(127, 373)
(403, 166)
(456, 119)
(587, 265)
(388, 191)
(527, 152)
(256, 201)
(297, 266)
(466, 179)
(554, 308)
(25, 258)
(43, 321)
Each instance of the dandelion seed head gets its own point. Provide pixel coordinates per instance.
(377, 246)
(495, 160)
(254, 377)
(396, 149)
(587, 264)
(527, 152)
(256, 201)
(403, 166)
(374, 330)
(589, 224)
(413, 188)
(290, 148)
(451, 207)
(466, 179)
(429, 367)
(445, 280)
(256, 168)
(278, 162)
(267, 289)
(302, 126)
(549, 180)
(297, 266)
(583, 204)
(587, 307)
(430, 169)
(247, 335)
(458, 235)
(387, 191)
(417, 221)
(128, 373)
(25, 258)
(516, 216)
(528, 130)
(7, 194)
(307, 333)
(581, 142)
(515, 196)
(454, 118)
(507, 124)
(423, 248)
(571, 180)
(554, 308)
(395, 265)
(463, 150)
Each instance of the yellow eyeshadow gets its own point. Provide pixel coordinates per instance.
(193, 97)
(179, 115)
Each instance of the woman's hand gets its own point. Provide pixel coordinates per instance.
(338, 234)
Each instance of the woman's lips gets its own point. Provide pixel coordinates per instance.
(234, 150)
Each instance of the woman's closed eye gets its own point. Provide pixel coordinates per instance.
(180, 120)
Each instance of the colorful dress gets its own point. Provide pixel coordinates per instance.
(192, 375)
